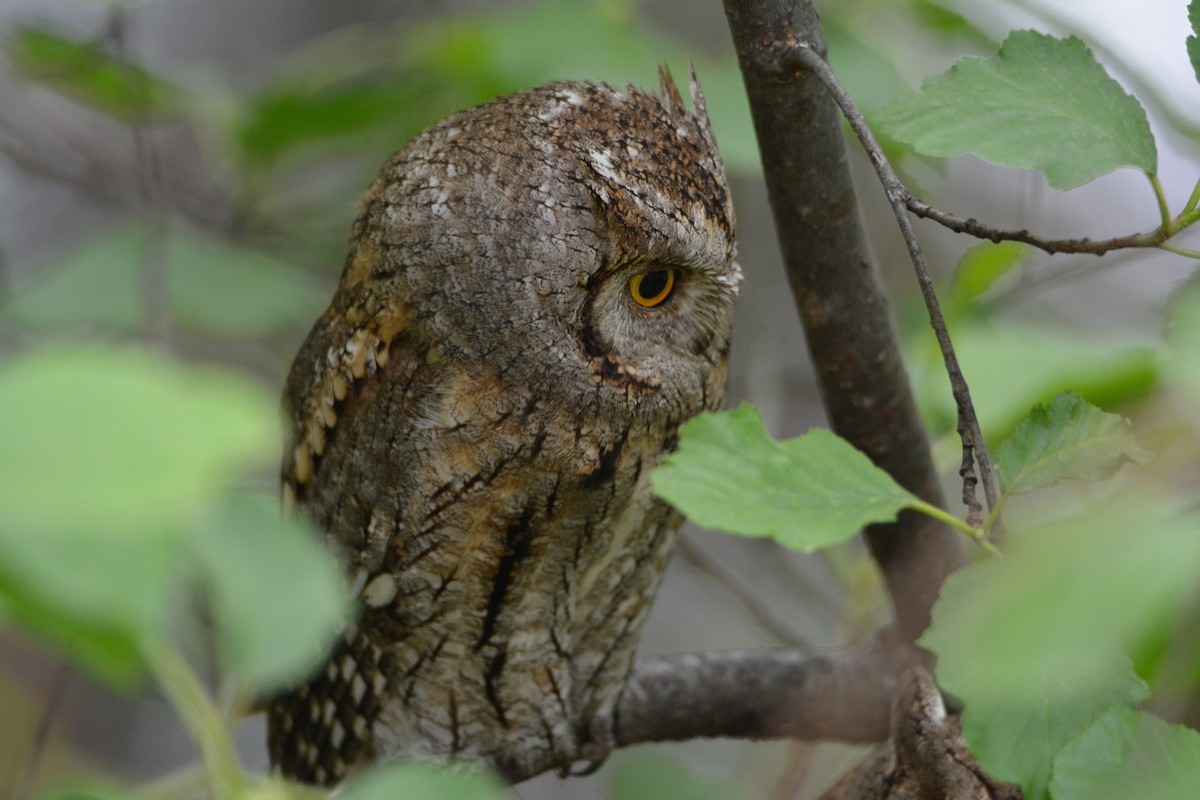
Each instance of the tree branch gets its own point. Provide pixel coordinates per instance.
(974, 449)
(844, 310)
(843, 695)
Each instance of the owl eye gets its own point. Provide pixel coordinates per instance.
(650, 289)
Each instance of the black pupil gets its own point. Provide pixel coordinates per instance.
(653, 283)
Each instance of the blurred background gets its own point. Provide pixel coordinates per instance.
(184, 172)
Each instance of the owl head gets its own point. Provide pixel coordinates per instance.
(573, 237)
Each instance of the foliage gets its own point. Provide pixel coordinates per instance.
(1129, 754)
(1052, 646)
(1065, 439)
(212, 286)
(1040, 102)
(1041, 643)
(810, 492)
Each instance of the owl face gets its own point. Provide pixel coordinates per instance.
(573, 237)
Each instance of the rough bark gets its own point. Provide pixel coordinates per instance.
(925, 758)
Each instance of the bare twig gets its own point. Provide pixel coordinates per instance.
(1098, 247)
(762, 613)
(801, 54)
(150, 186)
(41, 736)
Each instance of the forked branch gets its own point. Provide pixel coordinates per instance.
(801, 53)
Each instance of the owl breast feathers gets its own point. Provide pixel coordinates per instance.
(537, 295)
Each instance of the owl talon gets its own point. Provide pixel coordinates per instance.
(594, 752)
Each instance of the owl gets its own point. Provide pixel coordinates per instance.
(537, 295)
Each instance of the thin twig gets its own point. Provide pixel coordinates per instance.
(695, 555)
(897, 194)
(973, 227)
(150, 185)
(41, 736)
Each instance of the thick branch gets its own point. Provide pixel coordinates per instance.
(843, 695)
(845, 313)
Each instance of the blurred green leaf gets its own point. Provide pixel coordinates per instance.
(644, 775)
(983, 265)
(1067, 439)
(869, 73)
(277, 592)
(539, 42)
(812, 491)
(1127, 754)
(434, 68)
(944, 20)
(292, 114)
(81, 69)
(1183, 342)
(413, 780)
(91, 791)
(1193, 41)
(219, 287)
(212, 287)
(1040, 103)
(1032, 642)
(1016, 727)
(106, 451)
(1012, 365)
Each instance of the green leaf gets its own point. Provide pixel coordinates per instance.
(983, 265)
(809, 492)
(1183, 341)
(1013, 364)
(1016, 728)
(1193, 41)
(212, 287)
(91, 791)
(944, 20)
(277, 592)
(408, 779)
(1067, 439)
(1040, 103)
(82, 70)
(445, 64)
(106, 452)
(295, 114)
(1033, 642)
(1127, 754)
(643, 775)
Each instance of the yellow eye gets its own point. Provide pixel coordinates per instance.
(649, 289)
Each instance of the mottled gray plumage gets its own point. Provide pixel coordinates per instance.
(476, 416)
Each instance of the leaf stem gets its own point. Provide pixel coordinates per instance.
(943, 516)
(1180, 251)
(201, 717)
(1160, 197)
(1192, 201)
(979, 535)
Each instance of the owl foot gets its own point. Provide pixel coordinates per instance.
(594, 751)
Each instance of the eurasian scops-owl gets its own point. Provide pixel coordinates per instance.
(537, 295)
